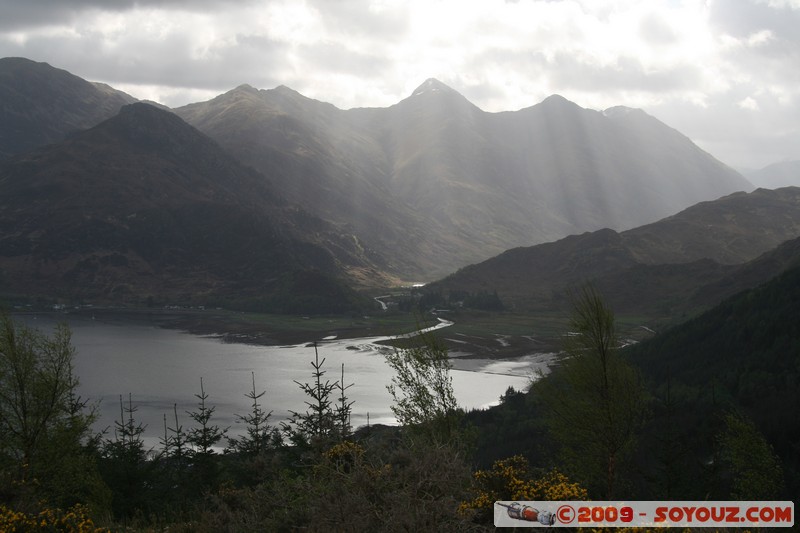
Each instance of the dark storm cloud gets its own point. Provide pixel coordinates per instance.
(22, 15)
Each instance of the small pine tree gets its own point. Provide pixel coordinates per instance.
(124, 464)
(203, 438)
(260, 435)
(128, 443)
(175, 445)
(343, 409)
(319, 425)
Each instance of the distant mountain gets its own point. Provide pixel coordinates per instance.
(782, 174)
(657, 268)
(40, 104)
(318, 160)
(436, 183)
(143, 207)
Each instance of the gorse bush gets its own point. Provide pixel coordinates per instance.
(74, 520)
(511, 479)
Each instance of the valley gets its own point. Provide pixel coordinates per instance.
(266, 201)
(470, 273)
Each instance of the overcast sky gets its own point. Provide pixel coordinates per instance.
(726, 72)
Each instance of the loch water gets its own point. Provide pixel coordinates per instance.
(161, 368)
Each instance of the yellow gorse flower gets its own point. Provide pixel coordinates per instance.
(509, 479)
(75, 520)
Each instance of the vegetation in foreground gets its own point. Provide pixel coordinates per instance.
(602, 426)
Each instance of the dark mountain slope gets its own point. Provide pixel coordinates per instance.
(40, 104)
(751, 274)
(440, 183)
(143, 205)
(655, 268)
(729, 230)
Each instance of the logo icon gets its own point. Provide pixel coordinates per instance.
(565, 514)
(527, 513)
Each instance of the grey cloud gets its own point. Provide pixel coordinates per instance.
(354, 17)
(357, 36)
(483, 91)
(753, 151)
(775, 61)
(336, 57)
(655, 32)
(627, 73)
(739, 137)
(169, 62)
(749, 17)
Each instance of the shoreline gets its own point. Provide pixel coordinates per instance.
(285, 330)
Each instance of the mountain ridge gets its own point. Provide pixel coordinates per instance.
(433, 183)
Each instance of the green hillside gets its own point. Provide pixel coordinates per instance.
(743, 355)
(728, 379)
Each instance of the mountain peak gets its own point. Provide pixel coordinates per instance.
(43, 104)
(147, 126)
(144, 110)
(246, 88)
(432, 85)
(558, 100)
(622, 111)
(283, 89)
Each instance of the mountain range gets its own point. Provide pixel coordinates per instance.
(238, 196)
(435, 183)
